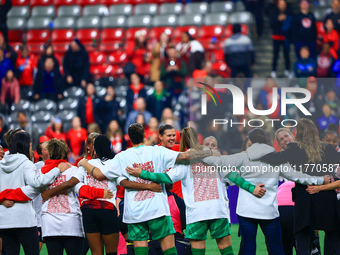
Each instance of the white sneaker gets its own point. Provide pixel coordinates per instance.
(273, 74)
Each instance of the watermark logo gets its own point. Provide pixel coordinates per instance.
(238, 99)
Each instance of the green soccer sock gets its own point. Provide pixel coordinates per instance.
(197, 251)
(141, 250)
(227, 251)
(171, 251)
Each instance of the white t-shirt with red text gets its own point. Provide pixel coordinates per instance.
(61, 214)
(203, 191)
(143, 205)
(87, 179)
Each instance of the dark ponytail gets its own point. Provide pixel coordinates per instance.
(102, 147)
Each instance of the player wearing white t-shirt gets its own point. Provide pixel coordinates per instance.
(202, 189)
(145, 211)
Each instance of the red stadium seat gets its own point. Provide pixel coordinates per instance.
(62, 35)
(60, 47)
(206, 32)
(133, 2)
(59, 57)
(219, 55)
(109, 35)
(193, 31)
(38, 36)
(15, 35)
(130, 33)
(220, 68)
(155, 32)
(40, 3)
(103, 70)
(20, 2)
(87, 35)
(16, 46)
(35, 48)
(111, 46)
(117, 57)
(82, 3)
(159, 1)
(97, 58)
(58, 3)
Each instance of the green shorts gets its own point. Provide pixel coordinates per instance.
(218, 228)
(158, 228)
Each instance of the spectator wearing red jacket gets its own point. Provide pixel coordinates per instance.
(325, 62)
(56, 130)
(76, 138)
(135, 91)
(26, 66)
(10, 89)
(332, 38)
(136, 53)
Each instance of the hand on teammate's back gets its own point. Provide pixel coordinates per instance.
(134, 171)
(259, 191)
(64, 166)
(107, 194)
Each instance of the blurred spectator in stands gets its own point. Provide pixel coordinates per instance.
(76, 65)
(305, 66)
(10, 89)
(281, 21)
(3, 131)
(110, 109)
(173, 72)
(336, 71)
(56, 130)
(168, 114)
(332, 101)
(136, 53)
(48, 83)
(334, 15)
(204, 71)
(256, 7)
(115, 134)
(76, 138)
(326, 118)
(89, 107)
(324, 61)
(332, 37)
(158, 54)
(135, 91)
(26, 67)
(48, 53)
(239, 52)
(141, 109)
(191, 51)
(5, 64)
(5, 6)
(141, 120)
(266, 98)
(188, 106)
(8, 50)
(158, 100)
(304, 30)
(151, 134)
(314, 105)
(27, 126)
(93, 128)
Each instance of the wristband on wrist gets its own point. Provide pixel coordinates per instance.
(92, 171)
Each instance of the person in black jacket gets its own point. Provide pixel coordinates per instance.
(89, 107)
(334, 15)
(48, 82)
(280, 21)
(135, 91)
(76, 65)
(3, 131)
(304, 30)
(158, 100)
(110, 109)
(5, 6)
(312, 212)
